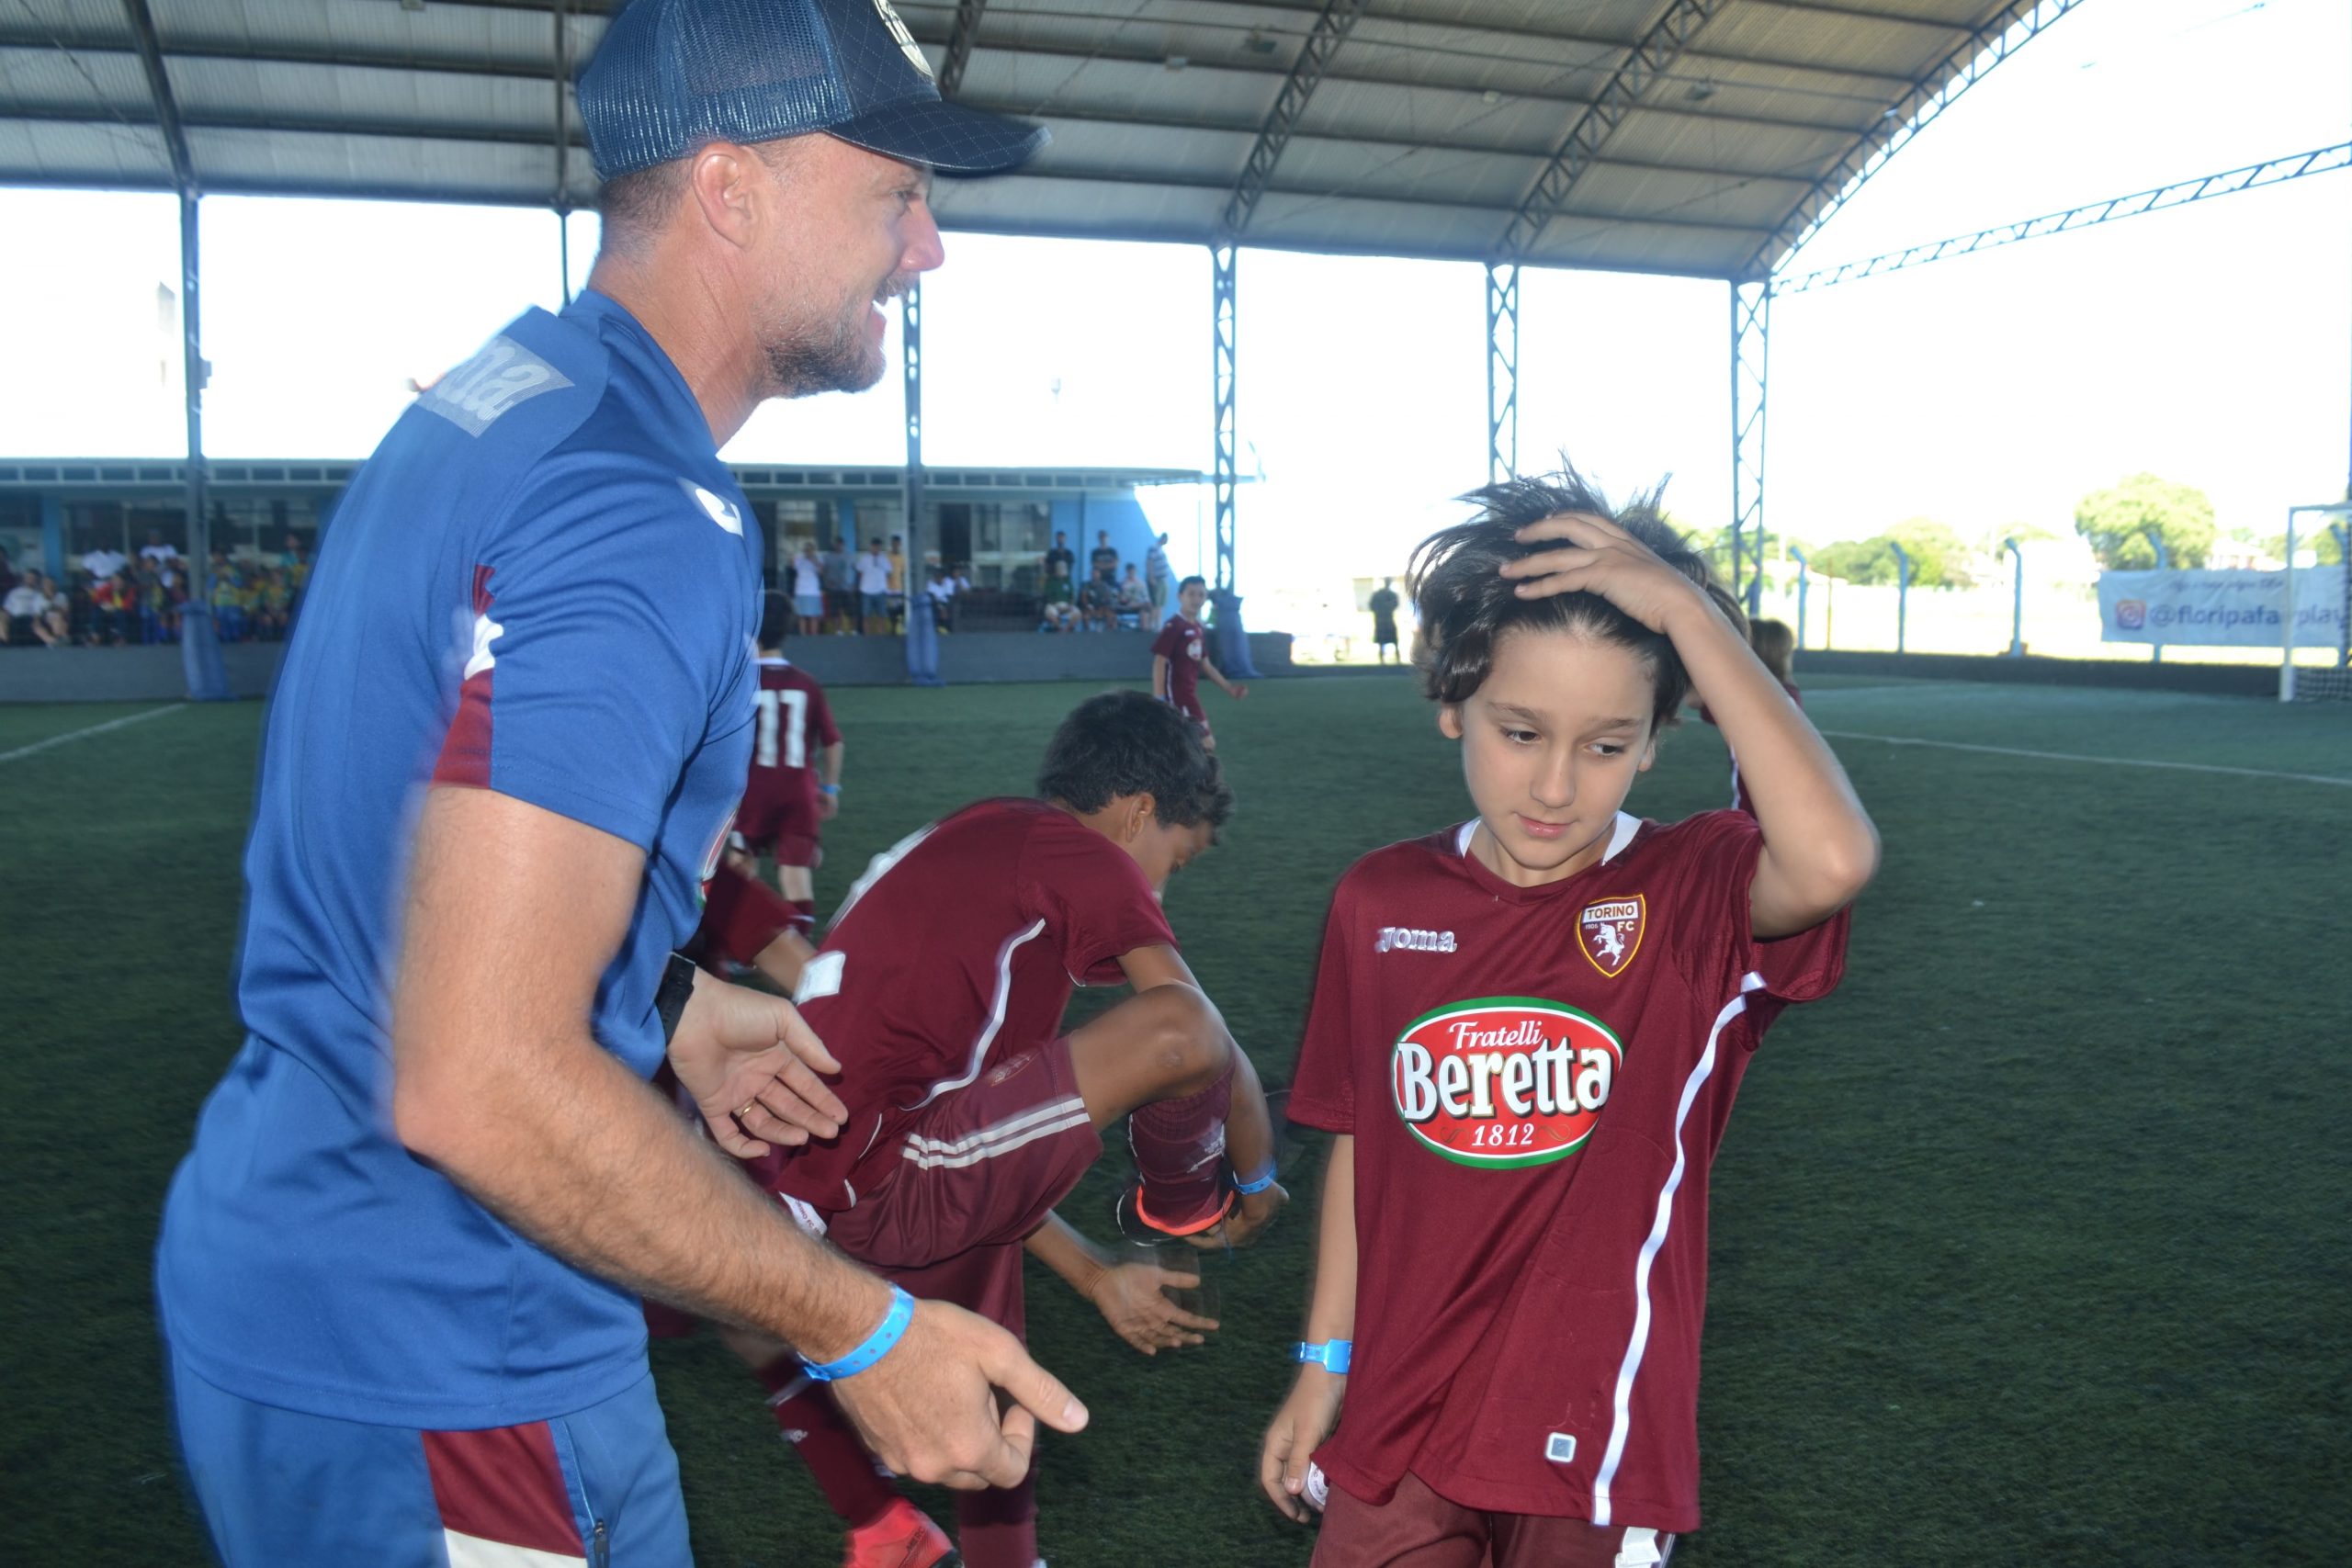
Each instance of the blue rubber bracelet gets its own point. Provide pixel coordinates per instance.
(829, 789)
(1258, 1183)
(878, 1344)
(1331, 1355)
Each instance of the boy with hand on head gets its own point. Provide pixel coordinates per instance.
(1180, 655)
(1526, 1033)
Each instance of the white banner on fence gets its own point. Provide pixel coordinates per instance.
(2220, 609)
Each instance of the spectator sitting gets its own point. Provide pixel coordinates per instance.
(943, 588)
(228, 602)
(27, 608)
(155, 551)
(53, 628)
(1135, 599)
(1097, 603)
(1059, 609)
(897, 582)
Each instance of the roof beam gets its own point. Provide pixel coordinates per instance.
(159, 88)
(2010, 29)
(1323, 40)
(1650, 58)
(966, 27)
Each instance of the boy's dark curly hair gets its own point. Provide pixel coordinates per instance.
(1467, 605)
(1126, 743)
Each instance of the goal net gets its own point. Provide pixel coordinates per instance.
(2319, 596)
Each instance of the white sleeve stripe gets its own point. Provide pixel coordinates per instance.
(996, 1013)
(1621, 1417)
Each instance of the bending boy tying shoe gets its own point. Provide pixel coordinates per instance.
(1526, 1032)
(970, 1114)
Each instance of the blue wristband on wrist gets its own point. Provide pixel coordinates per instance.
(1331, 1355)
(878, 1344)
(1258, 1183)
(829, 789)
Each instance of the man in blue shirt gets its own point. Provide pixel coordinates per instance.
(399, 1271)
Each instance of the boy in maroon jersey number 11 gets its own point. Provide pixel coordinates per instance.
(1526, 1035)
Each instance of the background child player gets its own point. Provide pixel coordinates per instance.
(1776, 648)
(942, 985)
(1180, 654)
(1526, 1032)
(795, 782)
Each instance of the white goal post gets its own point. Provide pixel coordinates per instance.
(2335, 682)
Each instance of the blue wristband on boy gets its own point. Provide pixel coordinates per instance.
(876, 1344)
(1331, 1355)
(1258, 1183)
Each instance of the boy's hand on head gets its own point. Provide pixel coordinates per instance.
(1596, 556)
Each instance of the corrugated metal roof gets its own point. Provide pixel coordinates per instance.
(1432, 126)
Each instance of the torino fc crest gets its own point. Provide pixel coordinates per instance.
(1611, 932)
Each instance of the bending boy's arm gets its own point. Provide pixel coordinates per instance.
(1312, 1410)
(1217, 675)
(1820, 848)
(1128, 1293)
(1160, 676)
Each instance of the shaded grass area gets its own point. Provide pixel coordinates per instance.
(2028, 1246)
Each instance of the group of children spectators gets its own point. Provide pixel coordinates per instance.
(1109, 593)
(866, 593)
(111, 600)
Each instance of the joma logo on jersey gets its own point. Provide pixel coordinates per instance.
(1392, 939)
(501, 375)
(1503, 1081)
(1611, 932)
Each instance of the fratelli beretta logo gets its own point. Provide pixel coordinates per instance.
(1503, 1081)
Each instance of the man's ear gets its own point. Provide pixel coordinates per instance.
(1449, 721)
(721, 179)
(1143, 810)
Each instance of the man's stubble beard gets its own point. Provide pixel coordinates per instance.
(803, 363)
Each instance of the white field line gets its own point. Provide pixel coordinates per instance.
(92, 729)
(2101, 762)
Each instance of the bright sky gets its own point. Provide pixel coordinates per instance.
(2212, 344)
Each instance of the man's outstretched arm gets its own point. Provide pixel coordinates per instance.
(513, 914)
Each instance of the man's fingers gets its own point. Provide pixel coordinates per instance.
(801, 1098)
(724, 1133)
(1033, 1388)
(1183, 1319)
(801, 1041)
(761, 1122)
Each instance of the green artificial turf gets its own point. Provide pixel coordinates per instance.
(2027, 1245)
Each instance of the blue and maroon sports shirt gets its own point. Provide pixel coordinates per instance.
(543, 584)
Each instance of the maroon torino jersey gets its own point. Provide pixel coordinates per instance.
(957, 949)
(1179, 642)
(794, 724)
(1537, 1079)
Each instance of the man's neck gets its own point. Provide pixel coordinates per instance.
(721, 362)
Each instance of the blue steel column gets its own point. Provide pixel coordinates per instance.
(1751, 320)
(1502, 371)
(1222, 260)
(923, 638)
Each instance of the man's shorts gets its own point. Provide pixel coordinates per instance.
(876, 603)
(979, 1166)
(278, 1486)
(780, 824)
(1417, 1529)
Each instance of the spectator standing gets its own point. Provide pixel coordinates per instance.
(1061, 554)
(1155, 577)
(841, 583)
(1103, 563)
(873, 589)
(1382, 606)
(897, 582)
(155, 551)
(103, 563)
(808, 589)
(400, 1271)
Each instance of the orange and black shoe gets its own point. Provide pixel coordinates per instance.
(1141, 1223)
(903, 1536)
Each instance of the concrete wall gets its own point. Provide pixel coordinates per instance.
(153, 674)
(2218, 680)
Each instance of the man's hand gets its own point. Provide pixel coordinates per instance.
(1133, 1302)
(1252, 1213)
(928, 1409)
(1299, 1428)
(751, 1062)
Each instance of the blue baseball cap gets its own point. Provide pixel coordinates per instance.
(674, 75)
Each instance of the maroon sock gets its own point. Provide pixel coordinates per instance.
(804, 917)
(998, 1528)
(1179, 1146)
(828, 1445)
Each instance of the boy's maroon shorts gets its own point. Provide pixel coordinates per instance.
(1417, 1529)
(981, 1166)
